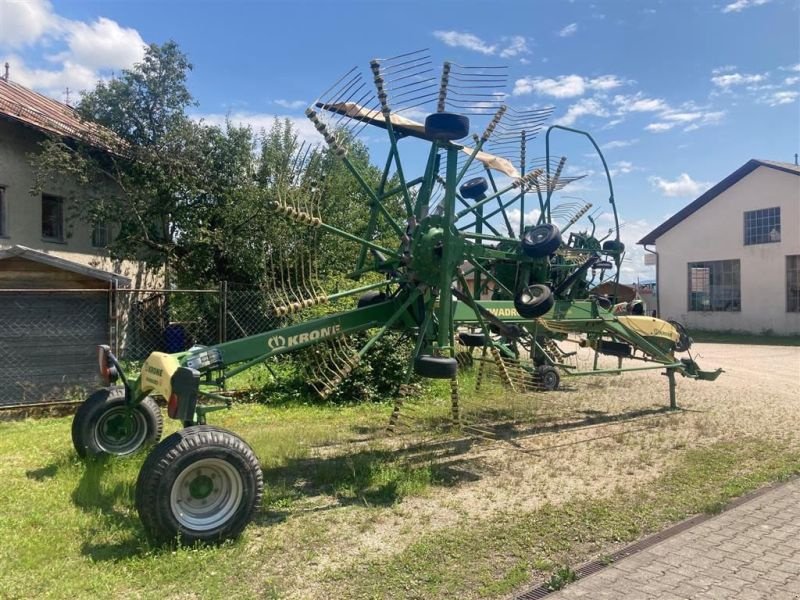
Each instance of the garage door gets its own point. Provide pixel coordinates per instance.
(48, 344)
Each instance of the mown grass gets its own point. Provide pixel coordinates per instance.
(493, 557)
(69, 528)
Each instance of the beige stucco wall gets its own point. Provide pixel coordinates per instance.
(24, 211)
(716, 232)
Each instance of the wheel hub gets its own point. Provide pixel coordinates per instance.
(118, 427)
(206, 494)
(120, 430)
(201, 487)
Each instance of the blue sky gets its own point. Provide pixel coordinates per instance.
(678, 93)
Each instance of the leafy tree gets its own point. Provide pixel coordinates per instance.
(194, 197)
(156, 174)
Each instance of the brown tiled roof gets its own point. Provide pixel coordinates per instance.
(50, 116)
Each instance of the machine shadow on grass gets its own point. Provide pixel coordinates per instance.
(369, 477)
(105, 502)
(384, 477)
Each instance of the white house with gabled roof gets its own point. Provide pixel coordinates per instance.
(730, 260)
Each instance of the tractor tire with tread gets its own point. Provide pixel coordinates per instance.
(542, 240)
(102, 424)
(533, 301)
(613, 247)
(548, 377)
(474, 188)
(435, 367)
(445, 126)
(176, 499)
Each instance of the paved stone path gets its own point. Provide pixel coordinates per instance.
(751, 551)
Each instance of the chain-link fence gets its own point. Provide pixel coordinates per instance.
(48, 339)
(48, 343)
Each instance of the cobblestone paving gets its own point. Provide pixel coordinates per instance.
(749, 552)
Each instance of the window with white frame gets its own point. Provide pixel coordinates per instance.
(793, 283)
(52, 218)
(762, 226)
(715, 286)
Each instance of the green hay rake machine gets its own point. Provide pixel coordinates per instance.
(465, 270)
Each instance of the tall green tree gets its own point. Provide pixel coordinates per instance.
(157, 175)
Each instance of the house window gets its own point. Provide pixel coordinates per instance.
(52, 218)
(714, 286)
(762, 226)
(3, 226)
(101, 236)
(793, 283)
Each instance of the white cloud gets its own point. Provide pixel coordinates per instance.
(639, 103)
(781, 97)
(740, 5)
(689, 115)
(683, 186)
(612, 123)
(458, 39)
(565, 86)
(517, 45)
(633, 266)
(531, 217)
(583, 107)
(791, 80)
(103, 44)
(291, 104)
(659, 127)
(622, 167)
(618, 144)
(78, 53)
(792, 68)
(681, 117)
(731, 79)
(568, 30)
(257, 121)
(52, 82)
(23, 23)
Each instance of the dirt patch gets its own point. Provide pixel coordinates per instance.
(598, 435)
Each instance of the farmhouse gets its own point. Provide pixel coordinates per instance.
(56, 278)
(730, 260)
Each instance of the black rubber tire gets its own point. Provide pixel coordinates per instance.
(534, 301)
(548, 377)
(370, 298)
(684, 341)
(446, 126)
(472, 340)
(541, 240)
(613, 247)
(474, 188)
(198, 447)
(435, 367)
(105, 409)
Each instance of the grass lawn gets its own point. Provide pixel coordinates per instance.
(553, 479)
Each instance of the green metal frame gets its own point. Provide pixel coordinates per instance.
(426, 264)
